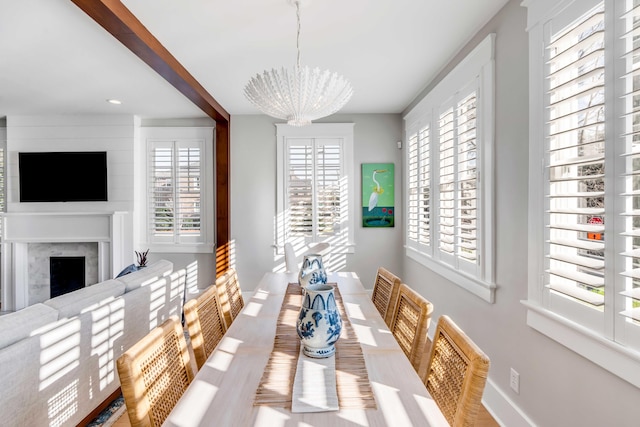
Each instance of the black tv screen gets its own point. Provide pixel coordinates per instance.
(63, 176)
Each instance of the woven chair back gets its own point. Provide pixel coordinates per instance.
(205, 324)
(456, 373)
(229, 295)
(385, 292)
(154, 373)
(410, 324)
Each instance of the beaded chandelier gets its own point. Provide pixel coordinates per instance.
(299, 95)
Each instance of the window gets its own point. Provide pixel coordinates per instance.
(3, 191)
(3, 150)
(450, 138)
(315, 185)
(177, 189)
(585, 202)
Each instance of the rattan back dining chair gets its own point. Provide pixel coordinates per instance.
(410, 324)
(205, 324)
(385, 292)
(229, 295)
(154, 373)
(456, 373)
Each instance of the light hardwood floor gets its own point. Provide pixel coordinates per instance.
(485, 419)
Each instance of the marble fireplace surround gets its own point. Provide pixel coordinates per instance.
(27, 237)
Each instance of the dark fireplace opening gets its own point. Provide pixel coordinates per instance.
(66, 273)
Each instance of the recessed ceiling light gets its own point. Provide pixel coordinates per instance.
(114, 101)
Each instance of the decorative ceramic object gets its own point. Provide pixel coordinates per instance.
(319, 323)
(312, 271)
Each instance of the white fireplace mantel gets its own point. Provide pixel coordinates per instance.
(19, 229)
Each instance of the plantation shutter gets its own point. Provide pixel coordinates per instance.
(175, 190)
(419, 228)
(299, 190)
(188, 190)
(328, 175)
(161, 197)
(458, 183)
(447, 182)
(631, 195)
(575, 161)
(3, 149)
(313, 187)
(467, 180)
(424, 182)
(414, 189)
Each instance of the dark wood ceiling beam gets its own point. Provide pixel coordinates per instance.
(114, 17)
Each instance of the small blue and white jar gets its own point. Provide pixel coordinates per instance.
(312, 271)
(319, 323)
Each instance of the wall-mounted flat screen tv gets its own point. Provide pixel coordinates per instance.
(63, 176)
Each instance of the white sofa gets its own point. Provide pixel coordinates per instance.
(58, 358)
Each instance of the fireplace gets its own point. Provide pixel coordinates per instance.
(46, 260)
(30, 239)
(67, 274)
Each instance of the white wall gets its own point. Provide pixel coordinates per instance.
(253, 195)
(557, 387)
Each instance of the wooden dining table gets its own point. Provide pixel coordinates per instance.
(223, 393)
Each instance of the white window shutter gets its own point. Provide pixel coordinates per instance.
(313, 187)
(458, 183)
(576, 161)
(419, 181)
(467, 180)
(299, 188)
(631, 195)
(413, 205)
(175, 173)
(447, 184)
(328, 194)
(162, 218)
(188, 191)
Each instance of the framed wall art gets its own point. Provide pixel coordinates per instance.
(378, 195)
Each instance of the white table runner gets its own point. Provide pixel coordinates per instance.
(314, 386)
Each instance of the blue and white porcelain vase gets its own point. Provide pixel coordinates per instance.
(319, 323)
(312, 271)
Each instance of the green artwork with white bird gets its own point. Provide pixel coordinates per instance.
(378, 195)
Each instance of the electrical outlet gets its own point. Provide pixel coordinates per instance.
(514, 381)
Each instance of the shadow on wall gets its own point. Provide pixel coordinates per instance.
(225, 257)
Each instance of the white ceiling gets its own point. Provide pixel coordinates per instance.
(54, 59)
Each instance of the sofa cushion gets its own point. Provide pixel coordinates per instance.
(73, 303)
(146, 275)
(20, 324)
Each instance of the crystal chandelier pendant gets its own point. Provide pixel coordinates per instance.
(299, 95)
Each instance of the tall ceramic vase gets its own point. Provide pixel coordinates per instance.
(319, 323)
(312, 271)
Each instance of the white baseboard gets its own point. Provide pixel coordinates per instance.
(502, 408)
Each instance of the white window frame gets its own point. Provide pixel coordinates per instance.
(596, 342)
(203, 138)
(342, 131)
(475, 71)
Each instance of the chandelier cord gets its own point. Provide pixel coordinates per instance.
(298, 34)
(302, 95)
